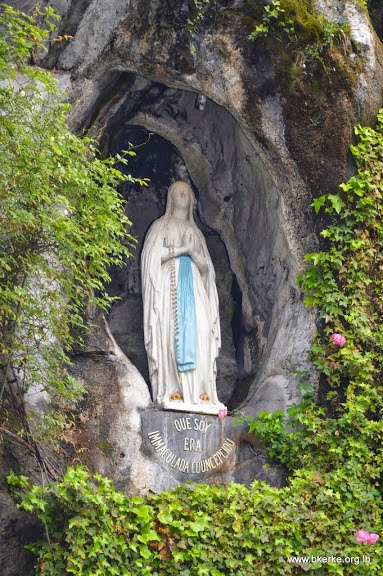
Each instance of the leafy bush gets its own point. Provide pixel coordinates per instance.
(200, 530)
(62, 224)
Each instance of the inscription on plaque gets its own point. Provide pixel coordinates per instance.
(190, 444)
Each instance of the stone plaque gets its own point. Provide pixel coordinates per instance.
(191, 446)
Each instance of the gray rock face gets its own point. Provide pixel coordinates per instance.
(245, 223)
(130, 71)
(256, 154)
(109, 424)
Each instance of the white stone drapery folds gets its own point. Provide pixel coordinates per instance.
(158, 314)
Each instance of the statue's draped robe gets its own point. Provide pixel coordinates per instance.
(159, 320)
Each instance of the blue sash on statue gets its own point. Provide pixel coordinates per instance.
(186, 350)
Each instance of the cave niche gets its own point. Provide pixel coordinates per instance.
(241, 215)
(158, 160)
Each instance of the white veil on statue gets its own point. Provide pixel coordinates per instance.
(198, 385)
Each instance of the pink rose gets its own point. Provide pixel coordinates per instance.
(372, 538)
(222, 413)
(366, 537)
(338, 339)
(361, 536)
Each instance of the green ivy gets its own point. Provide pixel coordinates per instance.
(200, 530)
(345, 283)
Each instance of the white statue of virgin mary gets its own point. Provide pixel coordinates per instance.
(181, 318)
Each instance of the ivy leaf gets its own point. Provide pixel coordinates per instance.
(318, 203)
(336, 202)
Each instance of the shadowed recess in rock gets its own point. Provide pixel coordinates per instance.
(239, 213)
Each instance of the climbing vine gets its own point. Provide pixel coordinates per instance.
(62, 224)
(344, 282)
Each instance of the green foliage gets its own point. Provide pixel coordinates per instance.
(62, 222)
(345, 283)
(303, 42)
(296, 18)
(200, 530)
(344, 439)
(197, 10)
(273, 13)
